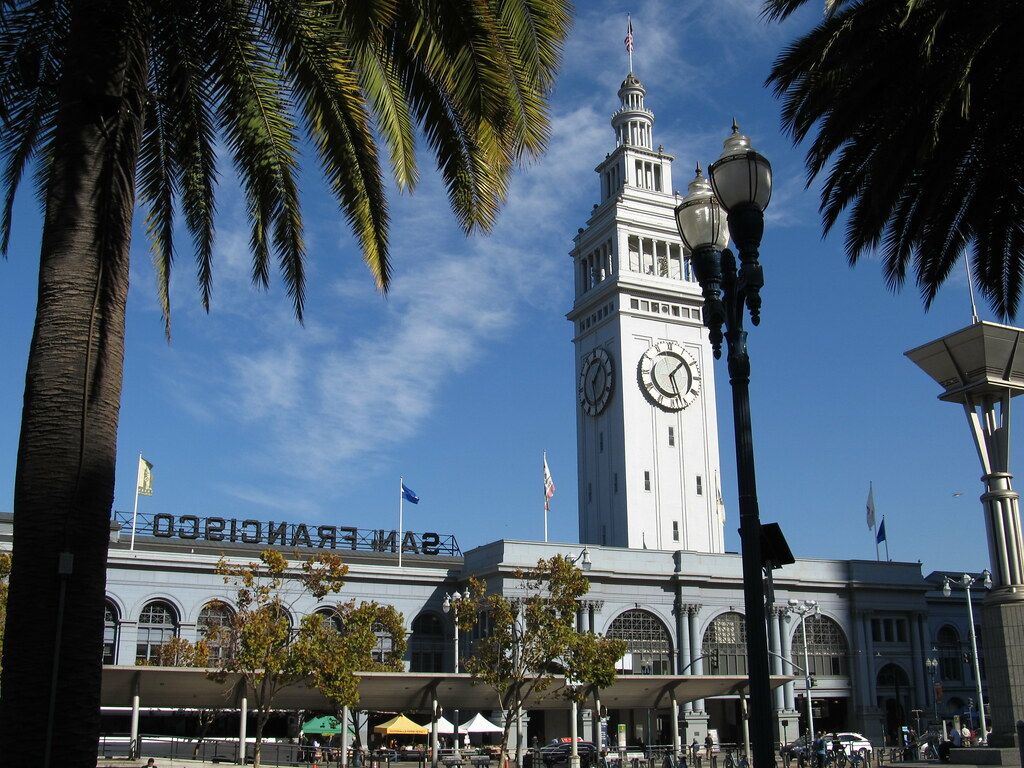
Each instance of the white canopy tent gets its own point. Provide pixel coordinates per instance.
(445, 726)
(479, 724)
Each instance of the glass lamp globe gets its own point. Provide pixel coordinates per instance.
(699, 216)
(741, 176)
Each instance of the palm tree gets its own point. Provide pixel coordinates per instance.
(910, 104)
(108, 100)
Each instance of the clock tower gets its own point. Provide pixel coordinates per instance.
(647, 436)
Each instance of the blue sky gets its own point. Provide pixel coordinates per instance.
(463, 375)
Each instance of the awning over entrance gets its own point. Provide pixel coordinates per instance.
(401, 691)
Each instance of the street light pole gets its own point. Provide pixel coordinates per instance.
(451, 605)
(804, 609)
(741, 182)
(932, 665)
(966, 581)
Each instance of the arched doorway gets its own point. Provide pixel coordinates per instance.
(893, 691)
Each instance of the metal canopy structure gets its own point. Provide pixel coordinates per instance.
(175, 687)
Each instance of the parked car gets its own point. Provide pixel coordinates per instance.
(852, 743)
(556, 754)
(795, 749)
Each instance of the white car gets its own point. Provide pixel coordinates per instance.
(853, 744)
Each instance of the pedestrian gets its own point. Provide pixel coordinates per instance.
(709, 747)
(151, 763)
(955, 736)
(819, 750)
(694, 749)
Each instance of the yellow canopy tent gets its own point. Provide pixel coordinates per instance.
(400, 725)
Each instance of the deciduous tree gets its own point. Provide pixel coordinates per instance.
(528, 639)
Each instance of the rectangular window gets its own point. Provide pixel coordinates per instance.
(671, 435)
(600, 442)
(700, 485)
(647, 481)
(615, 481)
(634, 303)
(675, 530)
(590, 492)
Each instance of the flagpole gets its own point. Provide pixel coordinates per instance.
(135, 512)
(887, 558)
(401, 497)
(629, 23)
(544, 493)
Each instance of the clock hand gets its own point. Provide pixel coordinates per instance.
(672, 378)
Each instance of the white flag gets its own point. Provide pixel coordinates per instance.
(145, 483)
(549, 485)
(871, 507)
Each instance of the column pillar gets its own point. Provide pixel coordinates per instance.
(786, 644)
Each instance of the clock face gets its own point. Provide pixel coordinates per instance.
(596, 379)
(669, 376)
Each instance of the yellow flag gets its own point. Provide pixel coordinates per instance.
(145, 485)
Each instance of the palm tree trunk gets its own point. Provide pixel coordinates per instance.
(64, 482)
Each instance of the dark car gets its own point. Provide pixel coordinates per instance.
(556, 754)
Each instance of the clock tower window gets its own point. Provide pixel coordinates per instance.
(671, 436)
(700, 485)
(647, 480)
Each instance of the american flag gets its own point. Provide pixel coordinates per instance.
(629, 36)
(549, 485)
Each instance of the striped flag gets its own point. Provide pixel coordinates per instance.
(549, 485)
(629, 36)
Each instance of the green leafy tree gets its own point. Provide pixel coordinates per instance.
(369, 637)
(906, 104)
(110, 101)
(529, 640)
(259, 641)
(181, 652)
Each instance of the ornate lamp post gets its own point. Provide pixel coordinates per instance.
(932, 665)
(805, 609)
(741, 186)
(451, 603)
(966, 581)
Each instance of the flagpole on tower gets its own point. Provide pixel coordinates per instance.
(629, 46)
(401, 498)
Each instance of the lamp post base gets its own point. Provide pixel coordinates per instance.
(1003, 623)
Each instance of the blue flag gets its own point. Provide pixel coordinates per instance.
(409, 495)
(881, 533)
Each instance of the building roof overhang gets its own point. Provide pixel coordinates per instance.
(402, 691)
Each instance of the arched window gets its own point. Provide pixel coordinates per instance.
(111, 624)
(385, 643)
(947, 645)
(426, 646)
(648, 644)
(331, 618)
(157, 625)
(213, 624)
(828, 655)
(725, 645)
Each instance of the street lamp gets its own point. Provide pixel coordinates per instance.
(453, 601)
(583, 558)
(966, 581)
(805, 609)
(741, 186)
(932, 665)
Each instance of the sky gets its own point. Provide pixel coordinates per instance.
(463, 375)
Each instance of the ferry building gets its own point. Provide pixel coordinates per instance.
(884, 645)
